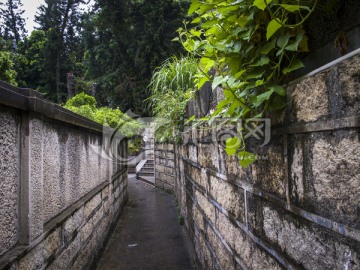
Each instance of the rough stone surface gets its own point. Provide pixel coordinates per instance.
(63, 169)
(231, 198)
(92, 204)
(64, 260)
(223, 255)
(53, 201)
(297, 173)
(199, 176)
(252, 256)
(9, 178)
(165, 167)
(73, 223)
(206, 206)
(42, 252)
(349, 79)
(208, 156)
(193, 153)
(310, 248)
(310, 98)
(336, 181)
(36, 177)
(297, 206)
(269, 173)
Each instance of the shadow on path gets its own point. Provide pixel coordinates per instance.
(148, 235)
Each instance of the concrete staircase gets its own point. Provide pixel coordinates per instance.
(146, 172)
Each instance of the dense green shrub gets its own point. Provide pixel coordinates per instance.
(7, 72)
(85, 105)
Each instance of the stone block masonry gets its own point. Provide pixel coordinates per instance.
(295, 208)
(164, 166)
(60, 194)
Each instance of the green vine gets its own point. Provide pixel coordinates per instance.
(252, 46)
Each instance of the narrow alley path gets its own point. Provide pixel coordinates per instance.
(148, 235)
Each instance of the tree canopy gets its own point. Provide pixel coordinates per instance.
(109, 50)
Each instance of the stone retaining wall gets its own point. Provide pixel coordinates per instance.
(164, 166)
(61, 189)
(297, 207)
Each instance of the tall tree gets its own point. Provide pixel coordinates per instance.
(125, 40)
(58, 19)
(13, 28)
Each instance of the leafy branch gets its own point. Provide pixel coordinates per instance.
(251, 46)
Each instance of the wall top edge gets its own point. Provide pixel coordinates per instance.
(326, 67)
(29, 100)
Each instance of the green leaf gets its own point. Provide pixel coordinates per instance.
(202, 81)
(240, 73)
(255, 74)
(218, 80)
(276, 103)
(242, 21)
(291, 8)
(259, 82)
(281, 43)
(262, 97)
(232, 145)
(228, 94)
(195, 33)
(204, 119)
(204, 8)
(207, 63)
(220, 106)
(196, 20)
(294, 45)
(193, 7)
(303, 46)
(263, 61)
(278, 90)
(190, 119)
(294, 66)
(246, 158)
(272, 27)
(234, 105)
(260, 4)
(268, 47)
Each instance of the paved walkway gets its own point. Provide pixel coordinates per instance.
(148, 235)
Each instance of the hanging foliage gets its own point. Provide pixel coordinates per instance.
(251, 46)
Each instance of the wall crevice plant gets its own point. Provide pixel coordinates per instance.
(172, 86)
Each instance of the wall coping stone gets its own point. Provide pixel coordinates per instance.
(30, 100)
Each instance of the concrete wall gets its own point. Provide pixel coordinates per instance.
(298, 206)
(164, 166)
(59, 191)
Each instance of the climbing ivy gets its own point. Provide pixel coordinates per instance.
(251, 46)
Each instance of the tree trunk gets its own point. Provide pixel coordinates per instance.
(58, 94)
(70, 84)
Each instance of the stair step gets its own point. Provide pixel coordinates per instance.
(146, 173)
